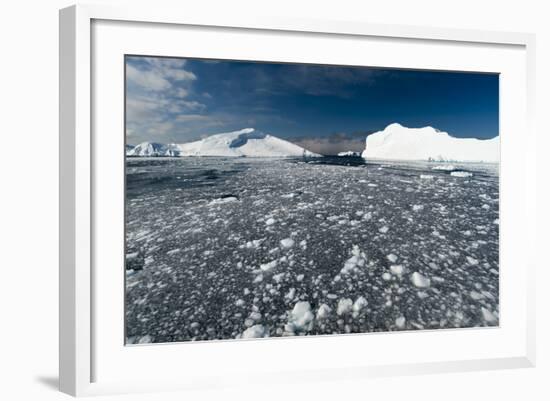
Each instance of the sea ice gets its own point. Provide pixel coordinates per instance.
(344, 306)
(444, 167)
(400, 322)
(397, 269)
(488, 315)
(323, 312)
(268, 266)
(461, 174)
(419, 280)
(358, 306)
(287, 243)
(256, 331)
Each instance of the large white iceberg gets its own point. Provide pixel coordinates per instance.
(246, 142)
(396, 142)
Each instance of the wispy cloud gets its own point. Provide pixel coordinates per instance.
(148, 80)
(159, 90)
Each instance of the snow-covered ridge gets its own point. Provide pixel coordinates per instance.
(247, 142)
(428, 144)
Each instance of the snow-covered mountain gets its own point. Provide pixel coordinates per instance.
(401, 143)
(246, 142)
(152, 149)
(349, 153)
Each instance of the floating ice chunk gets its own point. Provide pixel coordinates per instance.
(195, 325)
(358, 306)
(344, 306)
(323, 312)
(426, 177)
(239, 302)
(461, 174)
(419, 280)
(367, 216)
(386, 276)
(270, 221)
(397, 269)
(489, 316)
(146, 339)
(299, 277)
(255, 315)
(392, 258)
(476, 296)
(384, 229)
(268, 266)
(254, 243)
(290, 294)
(287, 243)
(278, 277)
(472, 261)
(256, 331)
(417, 208)
(301, 316)
(353, 264)
(422, 294)
(134, 255)
(497, 222)
(227, 199)
(400, 322)
(445, 167)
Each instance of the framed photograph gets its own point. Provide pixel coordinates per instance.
(279, 200)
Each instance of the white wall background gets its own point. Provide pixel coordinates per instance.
(29, 185)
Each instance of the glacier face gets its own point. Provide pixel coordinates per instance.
(397, 142)
(246, 142)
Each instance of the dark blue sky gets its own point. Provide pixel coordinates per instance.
(329, 108)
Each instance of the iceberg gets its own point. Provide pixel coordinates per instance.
(247, 142)
(153, 149)
(397, 142)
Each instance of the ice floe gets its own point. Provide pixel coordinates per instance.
(255, 331)
(345, 306)
(420, 280)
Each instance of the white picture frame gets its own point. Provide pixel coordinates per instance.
(82, 344)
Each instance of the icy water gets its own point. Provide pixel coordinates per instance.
(222, 248)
